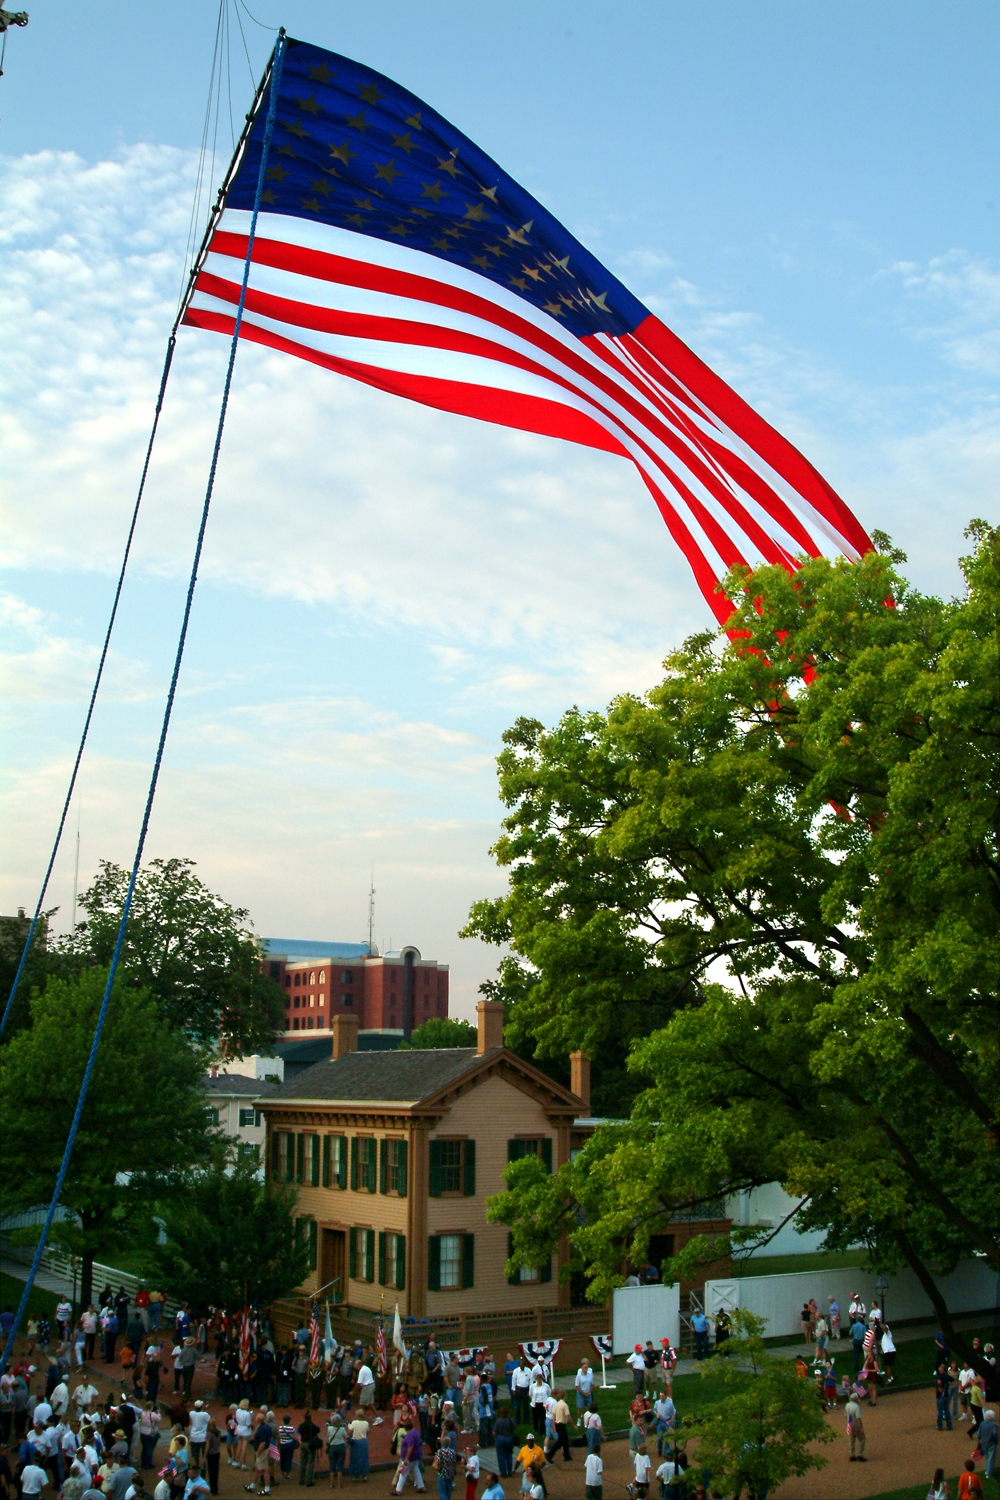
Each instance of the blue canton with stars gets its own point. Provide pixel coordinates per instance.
(352, 148)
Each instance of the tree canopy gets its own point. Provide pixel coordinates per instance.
(191, 949)
(144, 1123)
(778, 875)
(230, 1239)
(441, 1033)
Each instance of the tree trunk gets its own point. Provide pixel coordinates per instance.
(955, 1339)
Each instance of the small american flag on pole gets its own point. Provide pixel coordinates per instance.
(383, 1354)
(392, 250)
(246, 1344)
(315, 1361)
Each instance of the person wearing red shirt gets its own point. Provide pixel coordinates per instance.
(970, 1486)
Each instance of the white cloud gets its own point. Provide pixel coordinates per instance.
(966, 290)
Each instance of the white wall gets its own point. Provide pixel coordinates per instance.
(254, 1067)
(645, 1312)
(767, 1206)
(973, 1286)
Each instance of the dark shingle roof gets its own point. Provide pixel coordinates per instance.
(238, 1083)
(380, 1075)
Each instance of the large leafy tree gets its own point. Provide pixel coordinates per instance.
(438, 1032)
(230, 1239)
(778, 872)
(192, 950)
(144, 1121)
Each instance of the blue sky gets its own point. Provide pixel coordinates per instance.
(807, 193)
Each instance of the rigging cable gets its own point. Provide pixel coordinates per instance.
(275, 71)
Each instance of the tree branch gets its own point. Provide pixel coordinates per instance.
(941, 1200)
(940, 1306)
(927, 1047)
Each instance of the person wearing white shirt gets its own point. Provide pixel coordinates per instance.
(584, 1383)
(667, 1473)
(520, 1384)
(33, 1480)
(637, 1362)
(198, 1431)
(593, 1477)
(593, 1430)
(84, 1396)
(550, 1418)
(538, 1394)
(59, 1400)
(42, 1413)
(643, 1468)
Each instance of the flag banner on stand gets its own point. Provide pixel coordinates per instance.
(464, 1357)
(330, 1346)
(602, 1344)
(246, 1345)
(315, 1363)
(542, 1350)
(392, 250)
(383, 1353)
(397, 1334)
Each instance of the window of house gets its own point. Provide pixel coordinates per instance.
(452, 1165)
(250, 1116)
(213, 1115)
(312, 977)
(309, 1023)
(347, 999)
(527, 1273)
(451, 1260)
(362, 1254)
(363, 1164)
(307, 1229)
(249, 1149)
(392, 1260)
(392, 1166)
(286, 1155)
(322, 976)
(297, 1002)
(540, 1146)
(347, 976)
(275, 971)
(298, 979)
(335, 1161)
(295, 1024)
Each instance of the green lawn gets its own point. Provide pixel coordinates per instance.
(40, 1301)
(782, 1265)
(919, 1491)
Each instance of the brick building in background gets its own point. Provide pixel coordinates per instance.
(387, 994)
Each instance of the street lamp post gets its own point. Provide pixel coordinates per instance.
(881, 1287)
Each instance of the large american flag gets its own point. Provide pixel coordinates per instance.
(391, 249)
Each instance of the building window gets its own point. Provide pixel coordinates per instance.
(275, 971)
(250, 1117)
(307, 1228)
(288, 981)
(309, 1023)
(540, 1146)
(322, 976)
(347, 976)
(298, 980)
(527, 1273)
(249, 1149)
(452, 1168)
(362, 1255)
(363, 1165)
(213, 1115)
(312, 1001)
(450, 1261)
(288, 1002)
(347, 999)
(392, 1260)
(296, 1002)
(335, 1161)
(312, 977)
(286, 1156)
(295, 1024)
(392, 1167)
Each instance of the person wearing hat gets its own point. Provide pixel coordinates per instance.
(198, 1432)
(637, 1363)
(529, 1457)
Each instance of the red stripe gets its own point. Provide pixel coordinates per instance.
(507, 408)
(342, 270)
(487, 403)
(432, 335)
(776, 450)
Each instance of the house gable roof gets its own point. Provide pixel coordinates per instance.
(238, 1084)
(423, 1076)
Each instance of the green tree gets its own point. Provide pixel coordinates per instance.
(144, 1121)
(759, 1430)
(231, 1239)
(807, 812)
(192, 950)
(441, 1033)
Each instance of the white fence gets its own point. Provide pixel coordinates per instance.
(646, 1312)
(972, 1287)
(66, 1268)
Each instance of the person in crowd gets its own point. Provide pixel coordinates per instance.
(309, 1446)
(519, 1383)
(486, 1397)
(988, 1434)
(938, 1487)
(858, 1331)
(966, 1376)
(942, 1386)
(244, 1431)
(504, 1433)
(584, 1385)
(411, 1454)
(471, 1465)
(530, 1457)
(593, 1477)
(870, 1374)
(700, 1329)
(888, 1347)
(198, 1431)
(833, 1316)
(666, 1415)
(336, 1447)
(359, 1461)
(970, 1486)
(494, 1490)
(446, 1460)
(855, 1431)
(637, 1365)
(538, 1394)
(149, 1433)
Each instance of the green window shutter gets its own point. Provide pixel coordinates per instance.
(403, 1154)
(276, 1155)
(371, 1170)
(400, 1261)
(434, 1175)
(514, 1280)
(468, 1259)
(434, 1263)
(354, 1162)
(341, 1160)
(326, 1161)
(313, 1243)
(353, 1267)
(300, 1154)
(314, 1174)
(383, 1165)
(515, 1150)
(547, 1152)
(469, 1170)
(370, 1255)
(545, 1271)
(381, 1257)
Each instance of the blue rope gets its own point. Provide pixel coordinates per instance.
(279, 52)
(171, 343)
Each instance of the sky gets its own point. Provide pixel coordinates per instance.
(806, 193)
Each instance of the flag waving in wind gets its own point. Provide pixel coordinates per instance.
(391, 249)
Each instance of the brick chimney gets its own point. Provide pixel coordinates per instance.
(490, 1018)
(579, 1078)
(345, 1035)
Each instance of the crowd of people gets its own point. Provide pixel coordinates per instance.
(81, 1446)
